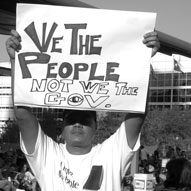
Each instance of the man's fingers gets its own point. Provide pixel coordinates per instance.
(151, 34)
(152, 44)
(14, 43)
(16, 35)
(151, 40)
(149, 37)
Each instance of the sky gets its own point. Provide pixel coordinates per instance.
(173, 16)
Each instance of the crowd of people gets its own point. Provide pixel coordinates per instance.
(173, 173)
(172, 169)
(15, 173)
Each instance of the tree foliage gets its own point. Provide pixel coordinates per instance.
(171, 127)
(107, 124)
(10, 133)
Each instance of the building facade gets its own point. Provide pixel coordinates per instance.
(6, 106)
(170, 85)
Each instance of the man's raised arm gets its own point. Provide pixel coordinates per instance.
(134, 121)
(27, 122)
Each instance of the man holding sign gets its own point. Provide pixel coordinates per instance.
(77, 165)
(70, 166)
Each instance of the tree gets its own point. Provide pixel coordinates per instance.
(107, 124)
(171, 127)
(11, 132)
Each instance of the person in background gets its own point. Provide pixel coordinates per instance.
(170, 153)
(6, 185)
(183, 154)
(178, 152)
(25, 179)
(178, 175)
(77, 165)
(143, 157)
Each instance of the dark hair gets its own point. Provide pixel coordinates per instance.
(85, 117)
(76, 112)
(178, 174)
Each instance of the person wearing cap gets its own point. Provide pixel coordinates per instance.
(77, 165)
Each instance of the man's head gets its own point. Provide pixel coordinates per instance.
(79, 127)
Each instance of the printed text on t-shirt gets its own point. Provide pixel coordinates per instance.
(67, 176)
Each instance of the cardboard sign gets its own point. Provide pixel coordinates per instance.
(144, 182)
(82, 58)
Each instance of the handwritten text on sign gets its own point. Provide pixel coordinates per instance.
(80, 62)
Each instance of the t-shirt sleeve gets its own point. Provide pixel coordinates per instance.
(37, 159)
(117, 150)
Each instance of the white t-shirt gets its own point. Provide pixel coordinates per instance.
(58, 170)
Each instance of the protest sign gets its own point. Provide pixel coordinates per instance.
(82, 58)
